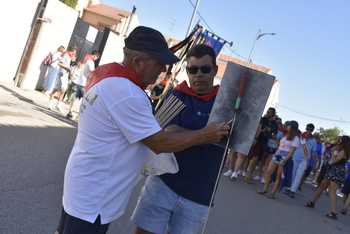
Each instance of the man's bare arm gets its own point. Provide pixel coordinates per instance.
(164, 141)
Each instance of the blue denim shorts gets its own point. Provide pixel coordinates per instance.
(80, 91)
(279, 156)
(159, 208)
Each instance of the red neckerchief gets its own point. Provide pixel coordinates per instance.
(303, 135)
(183, 87)
(163, 82)
(87, 57)
(67, 52)
(113, 70)
(318, 141)
(282, 130)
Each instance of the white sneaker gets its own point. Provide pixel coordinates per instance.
(228, 173)
(256, 178)
(59, 108)
(239, 172)
(263, 180)
(50, 105)
(234, 176)
(245, 173)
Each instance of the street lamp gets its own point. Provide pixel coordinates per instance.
(258, 35)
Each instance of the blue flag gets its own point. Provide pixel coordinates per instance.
(216, 44)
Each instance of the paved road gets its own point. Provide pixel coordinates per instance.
(34, 146)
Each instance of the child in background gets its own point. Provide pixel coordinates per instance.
(73, 77)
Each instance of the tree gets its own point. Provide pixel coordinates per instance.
(331, 134)
(71, 3)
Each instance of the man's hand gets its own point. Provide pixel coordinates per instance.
(213, 132)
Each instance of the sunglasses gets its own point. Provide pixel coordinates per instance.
(278, 122)
(194, 69)
(310, 129)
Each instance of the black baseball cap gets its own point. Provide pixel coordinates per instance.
(151, 41)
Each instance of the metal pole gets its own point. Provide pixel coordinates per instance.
(193, 16)
(256, 38)
(251, 52)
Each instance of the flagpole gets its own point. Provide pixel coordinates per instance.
(192, 19)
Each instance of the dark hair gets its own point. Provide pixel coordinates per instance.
(95, 52)
(72, 47)
(345, 143)
(201, 50)
(273, 109)
(294, 132)
(310, 125)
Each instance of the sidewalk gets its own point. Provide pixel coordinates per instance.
(30, 108)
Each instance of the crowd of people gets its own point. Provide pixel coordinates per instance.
(108, 155)
(288, 156)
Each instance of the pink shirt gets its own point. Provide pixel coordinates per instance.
(286, 145)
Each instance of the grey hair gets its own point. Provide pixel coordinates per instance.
(131, 54)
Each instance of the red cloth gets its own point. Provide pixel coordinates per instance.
(113, 70)
(67, 52)
(163, 82)
(303, 135)
(183, 87)
(282, 130)
(87, 57)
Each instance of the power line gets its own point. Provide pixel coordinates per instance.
(313, 116)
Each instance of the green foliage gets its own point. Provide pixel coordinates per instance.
(331, 134)
(71, 3)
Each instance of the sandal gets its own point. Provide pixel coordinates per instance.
(271, 196)
(248, 180)
(261, 191)
(343, 211)
(309, 204)
(331, 216)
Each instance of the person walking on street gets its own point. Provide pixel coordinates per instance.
(301, 157)
(266, 127)
(87, 67)
(287, 146)
(61, 83)
(53, 69)
(334, 176)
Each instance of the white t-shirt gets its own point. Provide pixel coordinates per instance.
(55, 56)
(107, 155)
(88, 67)
(65, 60)
(75, 74)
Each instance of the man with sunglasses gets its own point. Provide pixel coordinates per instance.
(116, 132)
(302, 167)
(179, 202)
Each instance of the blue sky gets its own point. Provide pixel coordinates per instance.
(310, 54)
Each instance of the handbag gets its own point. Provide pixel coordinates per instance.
(47, 60)
(73, 87)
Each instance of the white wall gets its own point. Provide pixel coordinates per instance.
(113, 51)
(16, 20)
(50, 37)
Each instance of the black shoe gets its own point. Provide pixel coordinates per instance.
(299, 189)
(291, 194)
(287, 191)
(69, 116)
